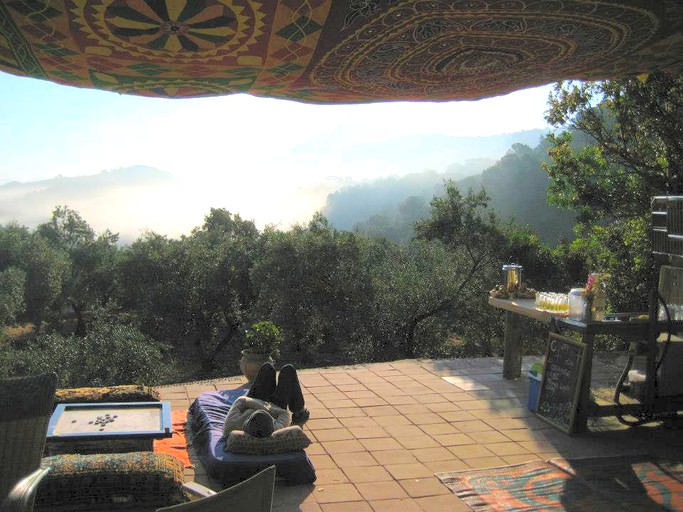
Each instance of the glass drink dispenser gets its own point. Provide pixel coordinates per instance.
(512, 276)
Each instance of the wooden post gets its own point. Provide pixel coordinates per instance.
(581, 422)
(512, 355)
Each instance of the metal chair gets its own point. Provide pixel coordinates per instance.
(26, 404)
(254, 494)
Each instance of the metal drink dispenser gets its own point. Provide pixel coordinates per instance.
(512, 276)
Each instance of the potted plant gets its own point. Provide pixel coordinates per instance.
(261, 344)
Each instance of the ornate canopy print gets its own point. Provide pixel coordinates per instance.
(336, 51)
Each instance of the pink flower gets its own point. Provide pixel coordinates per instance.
(590, 283)
(595, 284)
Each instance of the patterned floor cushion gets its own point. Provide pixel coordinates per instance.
(126, 393)
(113, 481)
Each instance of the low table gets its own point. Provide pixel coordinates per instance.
(114, 427)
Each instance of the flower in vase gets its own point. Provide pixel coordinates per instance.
(595, 285)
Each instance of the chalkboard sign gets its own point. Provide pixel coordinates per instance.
(561, 382)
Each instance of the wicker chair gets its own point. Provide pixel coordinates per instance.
(26, 404)
(254, 494)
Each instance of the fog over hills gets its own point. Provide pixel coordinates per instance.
(357, 202)
(516, 185)
(130, 200)
(112, 200)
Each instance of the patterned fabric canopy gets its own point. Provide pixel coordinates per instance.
(336, 51)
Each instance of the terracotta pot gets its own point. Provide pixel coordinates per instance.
(251, 362)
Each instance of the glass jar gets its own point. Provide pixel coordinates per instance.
(577, 303)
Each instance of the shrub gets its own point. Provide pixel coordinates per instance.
(263, 338)
(111, 354)
(12, 283)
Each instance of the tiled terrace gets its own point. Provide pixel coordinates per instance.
(381, 432)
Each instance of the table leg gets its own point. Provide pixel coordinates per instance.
(581, 421)
(512, 356)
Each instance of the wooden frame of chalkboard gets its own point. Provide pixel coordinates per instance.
(561, 384)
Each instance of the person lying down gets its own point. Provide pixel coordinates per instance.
(271, 404)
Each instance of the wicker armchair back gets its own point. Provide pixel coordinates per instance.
(26, 404)
(255, 494)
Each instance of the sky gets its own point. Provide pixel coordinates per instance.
(270, 160)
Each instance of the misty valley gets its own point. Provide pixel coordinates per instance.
(396, 268)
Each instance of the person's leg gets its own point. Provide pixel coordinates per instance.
(288, 394)
(263, 387)
(288, 390)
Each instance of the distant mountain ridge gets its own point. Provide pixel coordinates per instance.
(353, 204)
(32, 203)
(459, 156)
(125, 176)
(516, 185)
(435, 151)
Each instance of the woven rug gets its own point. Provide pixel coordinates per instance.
(175, 445)
(609, 484)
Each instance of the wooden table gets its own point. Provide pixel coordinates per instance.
(515, 310)
(645, 332)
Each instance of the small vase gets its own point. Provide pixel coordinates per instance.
(251, 362)
(598, 306)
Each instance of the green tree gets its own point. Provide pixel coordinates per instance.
(415, 286)
(196, 291)
(220, 291)
(540, 265)
(470, 233)
(14, 242)
(149, 282)
(632, 149)
(66, 229)
(477, 243)
(92, 279)
(314, 283)
(46, 271)
(12, 286)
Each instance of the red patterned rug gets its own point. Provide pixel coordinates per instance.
(616, 484)
(177, 444)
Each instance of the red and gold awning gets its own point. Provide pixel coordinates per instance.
(336, 51)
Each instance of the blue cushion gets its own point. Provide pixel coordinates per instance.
(205, 431)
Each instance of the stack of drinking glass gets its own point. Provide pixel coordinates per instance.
(552, 302)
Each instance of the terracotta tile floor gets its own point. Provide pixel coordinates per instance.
(382, 431)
